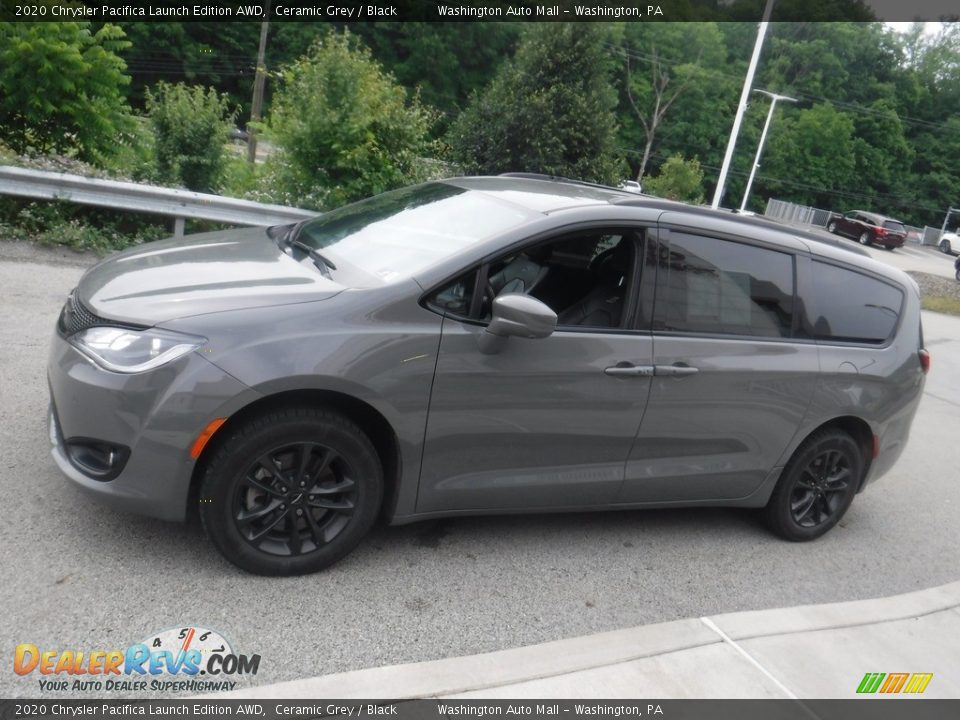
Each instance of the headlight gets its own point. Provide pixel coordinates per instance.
(132, 351)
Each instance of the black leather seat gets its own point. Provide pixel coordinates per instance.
(602, 306)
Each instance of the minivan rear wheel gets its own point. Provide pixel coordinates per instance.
(817, 486)
(291, 492)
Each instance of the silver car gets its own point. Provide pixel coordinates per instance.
(482, 345)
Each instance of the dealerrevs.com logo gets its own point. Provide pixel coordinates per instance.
(187, 659)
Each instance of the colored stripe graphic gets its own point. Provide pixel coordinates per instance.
(918, 683)
(894, 682)
(870, 682)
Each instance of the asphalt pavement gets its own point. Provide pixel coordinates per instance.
(79, 575)
(919, 258)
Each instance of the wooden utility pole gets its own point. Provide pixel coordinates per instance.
(258, 84)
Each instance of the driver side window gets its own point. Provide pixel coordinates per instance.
(584, 278)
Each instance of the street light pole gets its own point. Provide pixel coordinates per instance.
(763, 139)
(744, 96)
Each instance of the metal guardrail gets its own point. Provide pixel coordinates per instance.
(178, 204)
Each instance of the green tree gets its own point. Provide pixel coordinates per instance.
(190, 125)
(811, 157)
(61, 88)
(550, 110)
(664, 66)
(881, 152)
(422, 54)
(345, 128)
(679, 179)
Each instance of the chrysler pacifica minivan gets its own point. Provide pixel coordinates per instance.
(482, 345)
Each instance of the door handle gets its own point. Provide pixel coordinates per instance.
(677, 369)
(625, 369)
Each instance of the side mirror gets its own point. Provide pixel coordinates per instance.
(516, 315)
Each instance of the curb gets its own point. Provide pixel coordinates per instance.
(467, 674)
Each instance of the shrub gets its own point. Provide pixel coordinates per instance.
(550, 110)
(61, 88)
(191, 124)
(75, 226)
(679, 179)
(344, 128)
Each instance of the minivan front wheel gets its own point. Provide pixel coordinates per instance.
(817, 486)
(291, 492)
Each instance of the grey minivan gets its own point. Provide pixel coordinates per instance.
(482, 345)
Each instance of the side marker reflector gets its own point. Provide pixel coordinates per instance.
(203, 438)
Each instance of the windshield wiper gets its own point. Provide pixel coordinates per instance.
(324, 264)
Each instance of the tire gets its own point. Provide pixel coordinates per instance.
(891, 248)
(262, 510)
(831, 227)
(864, 238)
(957, 275)
(803, 506)
(945, 246)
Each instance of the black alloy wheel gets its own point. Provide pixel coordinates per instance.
(290, 492)
(817, 486)
(294, 499)
(819, 492)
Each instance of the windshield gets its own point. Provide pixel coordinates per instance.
(399, 233)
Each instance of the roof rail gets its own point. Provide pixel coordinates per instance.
(559, 178)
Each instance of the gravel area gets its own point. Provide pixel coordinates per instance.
(31, 252)
(934, 285)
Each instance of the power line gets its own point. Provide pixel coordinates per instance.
(891, 199)
(906, 119)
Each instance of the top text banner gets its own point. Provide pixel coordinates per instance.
(474, 10)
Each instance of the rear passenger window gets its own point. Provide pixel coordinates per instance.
(852, 307)
(707, 285)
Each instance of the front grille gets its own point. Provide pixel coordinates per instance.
(75, 317)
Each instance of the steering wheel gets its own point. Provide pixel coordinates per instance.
(601, 259)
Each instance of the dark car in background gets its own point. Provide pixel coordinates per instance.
(869, 228)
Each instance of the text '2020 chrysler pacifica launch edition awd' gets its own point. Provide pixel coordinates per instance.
(482, 345)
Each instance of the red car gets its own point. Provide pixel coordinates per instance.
(869, 228)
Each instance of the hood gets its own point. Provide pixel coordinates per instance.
(204, 273)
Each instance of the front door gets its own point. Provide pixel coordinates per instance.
(543, 423)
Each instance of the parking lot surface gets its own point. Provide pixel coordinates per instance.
(77, 575)
(913, 257)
